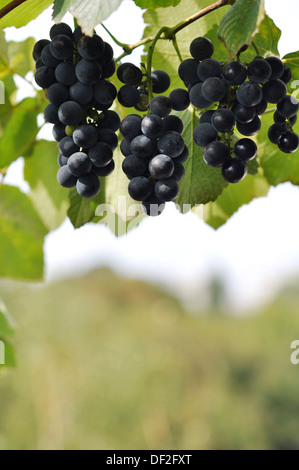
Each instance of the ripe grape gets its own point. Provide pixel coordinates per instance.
(79, 164)
(142, 146)
(288, 142)
(133, 167)
(251, 128)
(234, 73)
(223, 120)
(90, 48)
(70, 113)
(259, 71)
(214, 89)
(62, 47)
(166, 190)
(216, 154)
(204, 134)
(201, 48)
(88, 186)
(234, 170)
(85, 136)
(288, 107)
(179, 99)
(65, 178)
(161, 167)
(274, 91)
(160, 105)
(275, 131)
(197, 98)
(245, 149)
(171, 144)
(140, 188)
(208, 68)
(249, 94)
(160, 81)
(152, 126)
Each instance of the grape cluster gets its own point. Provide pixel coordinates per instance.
(73, 69)
(134, 92)
(154, 151)
(242, 93)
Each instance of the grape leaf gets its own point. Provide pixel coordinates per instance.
(201, 183)
(80, 211)
(23, 124)
(241, 23)
(233, 197)
(48, 197)
(152, 4)
(24, 13)
(6, 322)
(21, 236)
(88, 13)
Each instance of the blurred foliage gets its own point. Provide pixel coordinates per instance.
(105, 363)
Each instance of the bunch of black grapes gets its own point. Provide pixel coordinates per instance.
(73, 69)
(154, 152)
(134, 92)
(241, 93)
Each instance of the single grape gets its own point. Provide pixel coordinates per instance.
(70, 113)
(216, 154)
(188, 71)
(132, 75)
(166, 190)
(197, 98)
(61, 28)
(277, 67)
(81, 93)
(259, 71)
(287, 75)
(288, 107)
(171, 144)
(288, 142)
(201, 48)
(57, 94)
(245, 149)
(51, 114)
(107, 55)
(140, 188)
(88, 72)
(109, 120)
(67, 147)
(65, 73)
(105, 92)
(121, 70)
(62, 160)
(128, 96)
(88, 186)
(161, 81)
(38, 48)
(133, 167)
(79, 164)
(179, 172)
(234, 73)
(204, 134)
(179, 99)
(206, 117)
(100, 154)
(78, 33)
(183, 157)
(208, 68)
(275, 131)
(251, 128)
(160, 105)
(172, 123)
(214, 89)
(244, 114)
(65, 178)
(85, 136)
(130, 127)
(223, 120)
(249, 94)
(125, 147)
(234, 170)
(58, 132)
(161, 167)
(152, 126)
(274, 91)
(142, 147)
(91, 48)
(48, 59)
(62, 47)
(261, 107)
(278, 118)
(108, 69)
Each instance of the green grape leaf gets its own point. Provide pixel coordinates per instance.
(23, 124)
(240, 24)
(21, 236)
(152, 4)
(6, 322)
(80, 211)
(278, 167)
(28, 10)
(88, 13)
(20, 57)
(201, 183)
(48, 197)
(233, 197)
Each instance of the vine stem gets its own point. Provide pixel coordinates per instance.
(150, 61)
(10, 7)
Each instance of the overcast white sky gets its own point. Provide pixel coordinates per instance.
(255, 252)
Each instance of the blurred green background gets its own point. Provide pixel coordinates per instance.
(107, 363)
